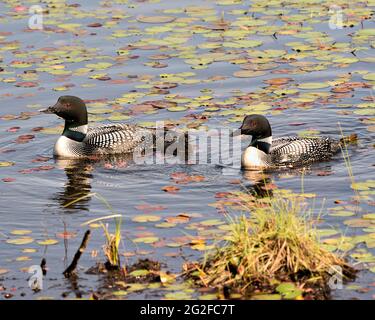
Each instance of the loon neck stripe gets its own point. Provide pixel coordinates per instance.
(75, 133)
(263, 144)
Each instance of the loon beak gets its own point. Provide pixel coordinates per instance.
(49, 110)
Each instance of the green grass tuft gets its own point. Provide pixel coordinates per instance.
(277, 241)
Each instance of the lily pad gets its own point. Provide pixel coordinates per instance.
(139, 273)
(48, 242)
(20, 241)
(313, 85)
(20, 232)
(248, 74)
(146, 240)
(155, 19)
(146, 218)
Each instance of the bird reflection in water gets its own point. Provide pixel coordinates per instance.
(258, 183)
(261, 183)
(79, 173)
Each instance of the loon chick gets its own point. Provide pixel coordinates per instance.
(263, 152)
(80, 141)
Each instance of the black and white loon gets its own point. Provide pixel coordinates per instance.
(80, 141)
(265, 152)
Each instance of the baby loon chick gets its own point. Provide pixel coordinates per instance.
(79, 141)
(263, 152)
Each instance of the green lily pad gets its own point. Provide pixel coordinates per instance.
(48, 242)
(288, 290)
(6, 163)
(139, 273)
(20, 241)
(313, 85)
(146, 239)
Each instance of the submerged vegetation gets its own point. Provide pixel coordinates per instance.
(275, 241)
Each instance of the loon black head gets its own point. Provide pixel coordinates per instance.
(73, 110)
(260, 129)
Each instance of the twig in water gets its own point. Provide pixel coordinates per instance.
(43, 265)
(69, 271)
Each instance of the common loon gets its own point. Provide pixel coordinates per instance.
(80, 141)
(264, 152)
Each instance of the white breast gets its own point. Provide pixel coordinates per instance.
(253, 158)
(64, 146)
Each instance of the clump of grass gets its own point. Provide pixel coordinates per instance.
(277, 241)
(111, 247)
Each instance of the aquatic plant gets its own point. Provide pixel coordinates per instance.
(111, 247)
(273, 241)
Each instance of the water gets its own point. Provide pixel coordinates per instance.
(35, 199)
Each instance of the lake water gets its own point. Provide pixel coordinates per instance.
(70, 57)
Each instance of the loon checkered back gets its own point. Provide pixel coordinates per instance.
(296, 151)
(266, 152)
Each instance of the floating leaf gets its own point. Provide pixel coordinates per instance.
(369, 76)
(146, 239)
(289, 290)
(48, 242)
(313, 85)
(6, 163)
(360, 186)
(29, 250)
(155, 19)
(146, 218)
(23, 258)
(177, 109)
(326, 232)
(165, 225)
(211, 222)
(20, 241)
(357, 223)
(20, 232)
(342, 213)
(139, 273)
(170, 189)
(181, 218)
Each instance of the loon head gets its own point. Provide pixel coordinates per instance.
(260, 129)
(73, 110)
